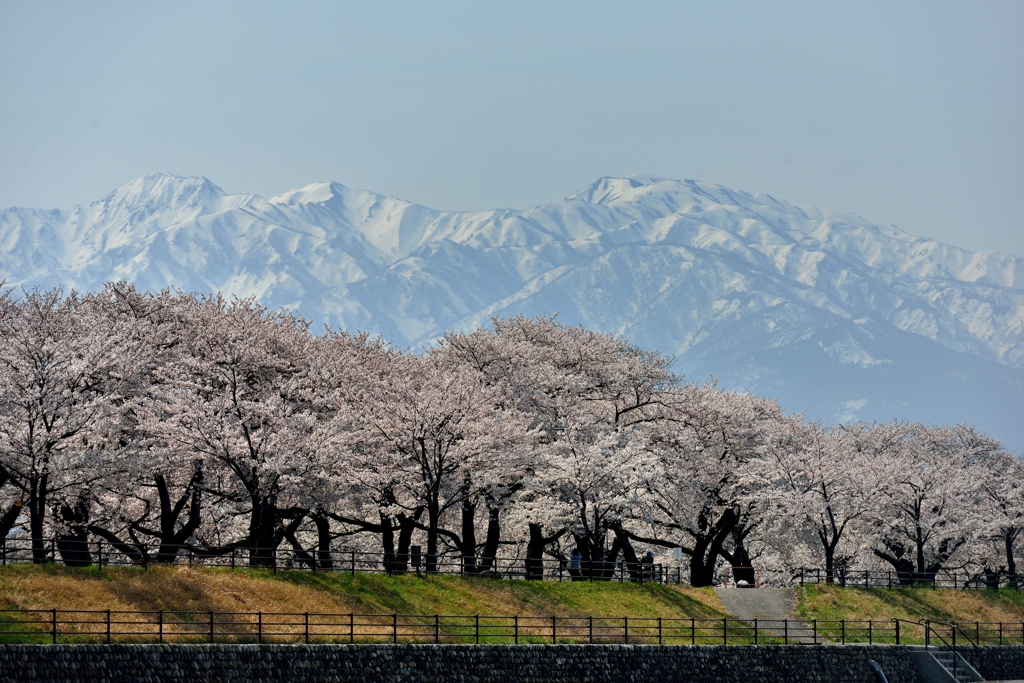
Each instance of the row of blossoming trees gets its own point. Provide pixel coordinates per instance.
(156, 422)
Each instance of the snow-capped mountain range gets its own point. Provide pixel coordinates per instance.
(828, 312)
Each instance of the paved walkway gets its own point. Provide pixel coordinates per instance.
(766, 604)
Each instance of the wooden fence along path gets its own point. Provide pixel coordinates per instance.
(177, 626)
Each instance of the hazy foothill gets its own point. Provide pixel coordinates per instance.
(167, 418)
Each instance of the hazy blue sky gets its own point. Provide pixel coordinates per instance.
(909, 113)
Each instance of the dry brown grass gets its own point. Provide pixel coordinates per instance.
(165, 588)
(183, 588)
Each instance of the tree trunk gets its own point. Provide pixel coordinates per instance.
(73, 543)
(36, 518)
(488, 559)
(468, 545)
(896, 556)
(707, 548)
(9, 519)
(406, 527)
(1011, 564)
(262, 525)
(433, 521)
(323, 541)
(535, 551)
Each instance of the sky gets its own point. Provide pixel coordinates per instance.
(907, 113)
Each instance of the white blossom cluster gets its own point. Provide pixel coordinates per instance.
(168, 420)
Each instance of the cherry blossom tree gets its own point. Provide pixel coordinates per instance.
(62, 367)
(1000, 477)
(433, 427)
(821, 478)
(701, 496)
(234, 396)
(587, 394)
(929, 506)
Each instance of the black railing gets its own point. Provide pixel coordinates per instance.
(935, 630)
(186, 626)
(104, 554)
(893, 579)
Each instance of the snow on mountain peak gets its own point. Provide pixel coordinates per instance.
(314, 193)
(164, 190)
(821, 309)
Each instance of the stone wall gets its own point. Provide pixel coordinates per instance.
(997, 663)
(457, 663)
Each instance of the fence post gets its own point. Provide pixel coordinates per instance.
(927, 633)
(99, 555)
(814, 630)
(259, 627)
(842, 632)
(306, 624)
(351, 627)
(785, 631)
(888, 575)
(590, 629)
(625, 628)
(869, 632)
(211, 626)
(53, 625)
(437, 629)
(755, 631)
(353, 558)
(394, 626)
(554, 634)
(897, 631)
(233, 557)
(693, 631)
(108, 627)
(725, 631)
(659, 630)
(476, 630)
(515, 628)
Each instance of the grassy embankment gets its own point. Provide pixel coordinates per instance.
(182, 589)
(184, 594)
(241, 590)
(911, 604)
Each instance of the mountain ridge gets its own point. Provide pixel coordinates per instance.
(729, 282)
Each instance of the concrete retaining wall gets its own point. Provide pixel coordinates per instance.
(459, 663)
(997, 663)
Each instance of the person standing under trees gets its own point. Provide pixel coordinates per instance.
(647, 566)
(574, 564)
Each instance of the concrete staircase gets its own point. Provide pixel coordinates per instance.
(936, 666)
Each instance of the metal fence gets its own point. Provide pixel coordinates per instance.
(179, 626)
(891, 579)
(103, 554)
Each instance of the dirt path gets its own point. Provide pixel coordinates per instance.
(770, 606)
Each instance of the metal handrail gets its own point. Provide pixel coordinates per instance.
(953, 628)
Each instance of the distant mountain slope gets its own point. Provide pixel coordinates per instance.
(828, 312)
